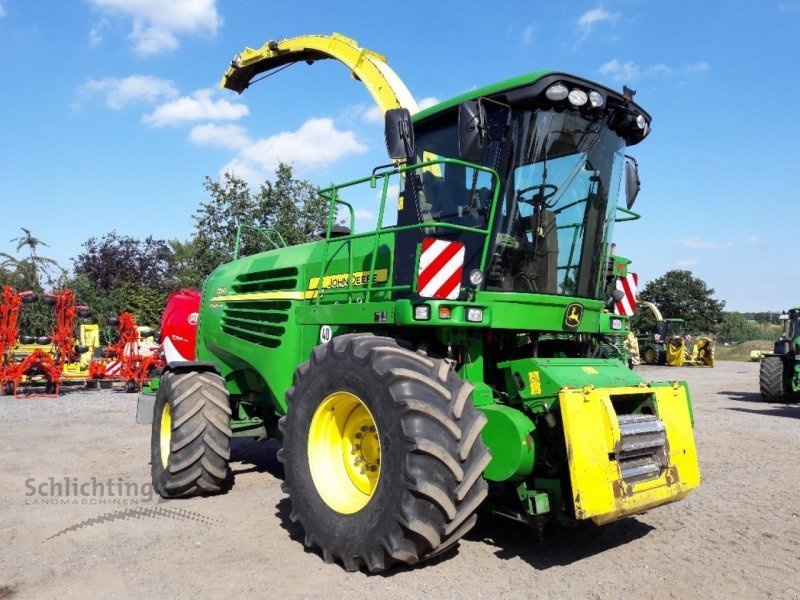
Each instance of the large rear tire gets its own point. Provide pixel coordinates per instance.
(770, 379)
(653, 355)
(191, 438)
(382, 451)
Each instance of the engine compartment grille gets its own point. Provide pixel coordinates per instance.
(642, 449)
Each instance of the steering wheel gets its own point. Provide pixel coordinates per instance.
(545, 191)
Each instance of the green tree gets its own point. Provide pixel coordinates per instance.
(35, 273)
(736, 328)
(116, 274)
(678, 293)
(289, 206)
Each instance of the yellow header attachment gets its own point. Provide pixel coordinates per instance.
(366, 66)
(625, 464)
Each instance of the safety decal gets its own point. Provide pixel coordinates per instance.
(325, 334)
(628, 286)
(441, 266)
(535, 382)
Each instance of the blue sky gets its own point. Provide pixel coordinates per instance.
(112, 114)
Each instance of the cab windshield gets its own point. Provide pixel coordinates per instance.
(560, 175)
(554, 220)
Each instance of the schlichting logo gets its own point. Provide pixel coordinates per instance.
(92, 491)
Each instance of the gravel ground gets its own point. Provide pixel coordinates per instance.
(738, 535)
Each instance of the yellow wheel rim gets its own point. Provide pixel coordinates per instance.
(344, 452)
(166, 434)
(650, 356)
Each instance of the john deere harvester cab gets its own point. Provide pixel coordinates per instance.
(779, 377)
(452, 358)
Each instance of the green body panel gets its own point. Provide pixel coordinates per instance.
(538, 381)
(260, 317)
(509, 434)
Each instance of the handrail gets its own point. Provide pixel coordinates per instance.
(632, 215)
(265, 232)
(332, 195)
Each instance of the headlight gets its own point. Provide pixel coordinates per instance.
(641, 123)
(578, 97)
(596, 99)
(556, 92)
(422, 312)
(616, 324)
(475, 277)
(475, 315)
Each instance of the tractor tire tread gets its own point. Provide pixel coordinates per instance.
(770, 379)
(200, 435)
(440, 453)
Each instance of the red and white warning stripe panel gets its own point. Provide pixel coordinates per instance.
(628, 286)
(441, 267)
(113, 368)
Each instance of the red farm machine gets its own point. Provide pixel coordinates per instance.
(44, 360)
(131, 359)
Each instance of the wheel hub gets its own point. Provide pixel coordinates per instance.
(165, 436)
(344, 452)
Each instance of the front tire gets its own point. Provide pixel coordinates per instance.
(770, 379)
(191, 437)
(650, 355)
(382, 453)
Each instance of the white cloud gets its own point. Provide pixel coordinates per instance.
(703, 244)
(316, 143)
(233, 137)
(96, 34)
(2, 11)
(625, 72)
(157, 24)
(364, 214)
(689, 262)
(200, 106)
(374, 115)
(695, 68)
(120, 92)
(527, 35)
(588, 20)
(659, 70)
(630, 71)
(427, 102)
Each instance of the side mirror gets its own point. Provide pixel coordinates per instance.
(471, 124)
(399, 134)
(616, 296)
(632, 183)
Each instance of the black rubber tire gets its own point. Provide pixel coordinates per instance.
(661, 356)
(132, 387)
(770, 379)
(649, 355)
(200, 439)
(8, 388)
(432, 456)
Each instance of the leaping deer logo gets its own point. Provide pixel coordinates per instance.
(573, 316)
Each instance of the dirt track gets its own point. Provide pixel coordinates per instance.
(738, 535)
